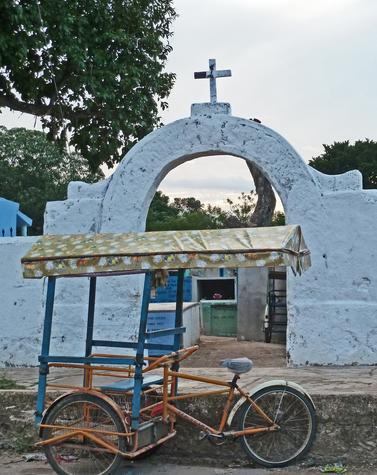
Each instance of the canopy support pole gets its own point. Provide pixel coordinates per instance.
(90, 324)
(178, 338)
(179, 309)
(140, 351)
(46, 338)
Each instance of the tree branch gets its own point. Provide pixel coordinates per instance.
(42, 110)
(265, 207)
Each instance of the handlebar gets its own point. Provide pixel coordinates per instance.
(174, 357)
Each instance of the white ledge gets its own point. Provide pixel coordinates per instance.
(208, 109)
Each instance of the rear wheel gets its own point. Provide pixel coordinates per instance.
(295, 415)
(80, 455)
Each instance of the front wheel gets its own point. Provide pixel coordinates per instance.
(295, 415)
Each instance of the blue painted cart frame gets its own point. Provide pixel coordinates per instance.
(140, 346)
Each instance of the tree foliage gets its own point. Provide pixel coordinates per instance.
(34, 170)
(242, 208)
(342, 157)
(187, 205)
(91, 69)
(278, 219)
(190, 213)
(182, 213)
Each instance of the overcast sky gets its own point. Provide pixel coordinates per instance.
(306, 69)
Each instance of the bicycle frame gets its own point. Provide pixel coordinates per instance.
(170, 412)
(230, 389)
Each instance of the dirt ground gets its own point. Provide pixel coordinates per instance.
(15, 465)
(213, 349)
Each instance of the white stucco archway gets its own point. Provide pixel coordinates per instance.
(207, 132)
(336, 300)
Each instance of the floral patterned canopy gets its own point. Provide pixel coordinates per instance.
(121, 253)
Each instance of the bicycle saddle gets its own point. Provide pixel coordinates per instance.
(237, 365)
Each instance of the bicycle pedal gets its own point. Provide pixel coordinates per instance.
(216, 439)
(203, 435)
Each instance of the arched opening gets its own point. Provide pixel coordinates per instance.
(240, 312)
(133, 185)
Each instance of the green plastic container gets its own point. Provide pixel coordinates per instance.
(219, 317)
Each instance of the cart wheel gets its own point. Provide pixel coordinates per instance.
(295, 415)
(79, 454)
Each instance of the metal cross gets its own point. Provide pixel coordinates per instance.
(213, 74)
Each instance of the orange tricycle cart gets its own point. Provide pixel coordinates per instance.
(128, 405)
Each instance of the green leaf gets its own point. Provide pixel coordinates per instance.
(105, 59)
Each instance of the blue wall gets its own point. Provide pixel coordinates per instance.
(8, 217)
(12, 219)
(160, 321)
(169, 293)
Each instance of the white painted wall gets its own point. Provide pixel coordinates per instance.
(331, 309)
(20, 306)
(22, 311)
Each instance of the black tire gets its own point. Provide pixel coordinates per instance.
(82, 456)
(267, 334)
(295, 414)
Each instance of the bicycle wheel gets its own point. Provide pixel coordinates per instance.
(295, 415)
(267, 334)
(80, 455)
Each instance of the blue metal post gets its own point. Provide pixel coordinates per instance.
(46, 338)
(91, 306)
(140, 351)
(89, 326)
(178, 338)
(179, 308)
